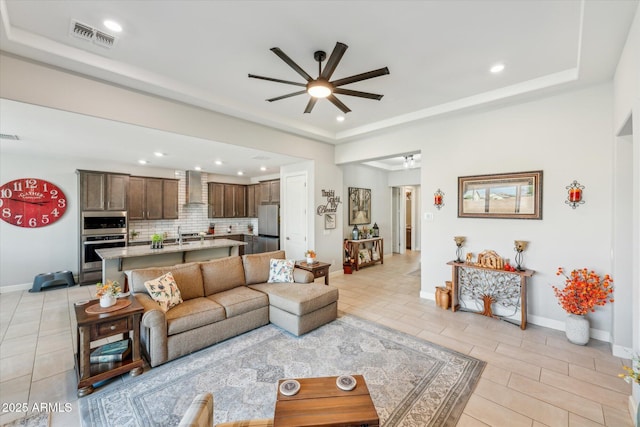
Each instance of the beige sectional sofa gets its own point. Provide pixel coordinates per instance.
(223, 298)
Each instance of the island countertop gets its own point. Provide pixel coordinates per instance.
(143, 251)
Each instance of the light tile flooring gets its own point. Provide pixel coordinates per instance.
(533, 377)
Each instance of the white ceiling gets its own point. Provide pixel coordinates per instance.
(438, 52)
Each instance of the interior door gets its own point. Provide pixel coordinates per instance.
(395, 219)
(294, 212)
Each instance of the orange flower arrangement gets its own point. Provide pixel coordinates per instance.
(583, 290)
(111, 287)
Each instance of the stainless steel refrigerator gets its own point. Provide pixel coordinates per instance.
(268, 228)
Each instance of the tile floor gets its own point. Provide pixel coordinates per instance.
(533, 377)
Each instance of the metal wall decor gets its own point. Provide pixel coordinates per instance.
(438, 199)
(332, 203)
(574, 194)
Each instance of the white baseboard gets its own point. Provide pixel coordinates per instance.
(15, 288)
(622, 352)
(633, 410)
(428, 295)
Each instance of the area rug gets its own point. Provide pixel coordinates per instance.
(412, 382)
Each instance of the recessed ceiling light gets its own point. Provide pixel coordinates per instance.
(159, 154)
(340, 118)
(143, 162)
(240, 173)
(112, 25)
(218, 162)
(497, 68)
(263, 168)
(198, 168)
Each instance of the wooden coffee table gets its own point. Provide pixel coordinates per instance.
(321, 403)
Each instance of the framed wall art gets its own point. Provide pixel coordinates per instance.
(510, 195)
(359, 206)
(329, 221)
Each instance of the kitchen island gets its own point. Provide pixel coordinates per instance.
(115, 261)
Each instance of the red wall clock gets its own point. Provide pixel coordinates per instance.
(31, 202)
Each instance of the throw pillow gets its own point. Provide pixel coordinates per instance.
(281, 270)
(164, 291)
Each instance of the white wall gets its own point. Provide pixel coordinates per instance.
(568, 136)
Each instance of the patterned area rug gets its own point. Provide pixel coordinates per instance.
(412, 382)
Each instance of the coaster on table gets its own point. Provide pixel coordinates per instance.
(289, 387)
(346, 382)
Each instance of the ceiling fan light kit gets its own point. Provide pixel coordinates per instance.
(323, 87)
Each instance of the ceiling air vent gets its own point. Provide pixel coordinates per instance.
(11, 137)
(88, 33)
(104, 39)
(82, 31)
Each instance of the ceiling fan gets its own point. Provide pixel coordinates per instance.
(322, 87)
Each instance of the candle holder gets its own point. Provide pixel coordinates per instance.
(459, 241)
(574, 194)
(520, 246)
(438, 199)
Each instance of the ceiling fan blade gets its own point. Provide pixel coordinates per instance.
(357, 93)
(333, 61)
(310, 104)
(291, 64)
(358, 77)
(335, 101)
(253, 76)
(289, 95)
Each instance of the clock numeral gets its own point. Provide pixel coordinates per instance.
(54, 194)
(18, 218)
(55, 212)
(17, 186)
(31, 183)
(33, 222)
(62, 203)
(45, 187)
(6, 213)
(1, 202)
(6, 193)
(45, 219)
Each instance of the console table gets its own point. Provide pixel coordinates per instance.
(487, 286)
(354, 247)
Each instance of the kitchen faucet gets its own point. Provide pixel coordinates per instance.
(179, 239)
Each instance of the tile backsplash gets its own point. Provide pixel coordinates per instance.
(192, 218)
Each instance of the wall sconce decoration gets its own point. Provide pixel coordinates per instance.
(438, 199)
(459, 241)
(574, 197)
(520, 246)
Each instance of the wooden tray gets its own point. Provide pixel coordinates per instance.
(96, 309)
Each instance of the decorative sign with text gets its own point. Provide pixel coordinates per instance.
(332, 203)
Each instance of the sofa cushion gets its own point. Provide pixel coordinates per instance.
(164, 291)
(240, 300)
(297, 298)
(222, 274)
(281, 270)
(188, 277)
(192, 314)
(256, 266)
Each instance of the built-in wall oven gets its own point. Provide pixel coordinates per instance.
(99, 230)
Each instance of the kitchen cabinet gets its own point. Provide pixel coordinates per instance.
(153, 198)
(102, 191)
(253, 200)
(216, 200)
(235, 201)
(270, 191)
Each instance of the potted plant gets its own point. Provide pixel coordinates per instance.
(311, 256)
(583, 291)
(156, 241)
(108, 292)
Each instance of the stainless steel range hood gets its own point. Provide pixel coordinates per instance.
(194, 188)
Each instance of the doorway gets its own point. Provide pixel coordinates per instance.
(404, 214)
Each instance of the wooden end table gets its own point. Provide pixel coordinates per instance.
(93, 327)
(319, 269)
(321, 403)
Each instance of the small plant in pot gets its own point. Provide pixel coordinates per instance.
(156, 241)
(584, 290)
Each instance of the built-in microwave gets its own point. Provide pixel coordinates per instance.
(104, 222)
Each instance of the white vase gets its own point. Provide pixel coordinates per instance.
(310, 260)
(577, 329)
(107, 300)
